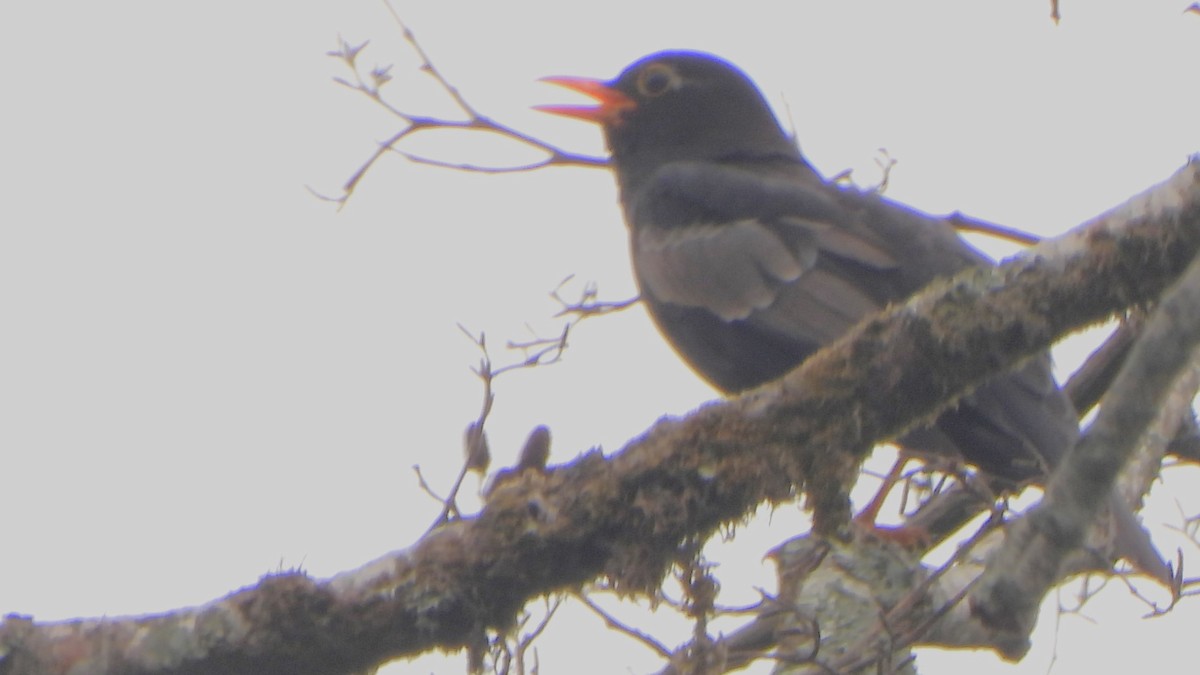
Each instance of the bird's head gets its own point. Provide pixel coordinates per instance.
(678, 106)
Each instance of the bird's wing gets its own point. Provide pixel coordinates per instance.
(773, 252)
(731, 269)
(851, 279)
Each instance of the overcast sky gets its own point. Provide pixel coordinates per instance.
(207, 374)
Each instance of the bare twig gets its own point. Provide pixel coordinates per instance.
(509, 651)
(588, 303)
(450, 509)
(539, 352)
(965, 223)
(886, 163)
(613, 623)
(372, 86)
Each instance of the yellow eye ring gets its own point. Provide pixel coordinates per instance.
(657, 79)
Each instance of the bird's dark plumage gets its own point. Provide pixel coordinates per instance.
(749, 261)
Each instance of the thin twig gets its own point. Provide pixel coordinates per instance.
(372, 87)
(964, 223)
(614, 624)
(588, 304)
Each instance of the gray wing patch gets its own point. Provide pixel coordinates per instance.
(730, 269)
(842, 242)
(820, 308)
(766, 274)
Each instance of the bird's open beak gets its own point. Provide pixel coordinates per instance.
(612, 104)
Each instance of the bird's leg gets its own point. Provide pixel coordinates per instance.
(906, 536)
(869, 514)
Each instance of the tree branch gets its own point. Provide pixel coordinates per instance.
(1029, 562)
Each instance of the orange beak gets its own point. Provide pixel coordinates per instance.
(612, 103)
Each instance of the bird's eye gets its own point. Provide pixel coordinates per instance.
(656, 80)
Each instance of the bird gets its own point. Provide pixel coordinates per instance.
(749, 261)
